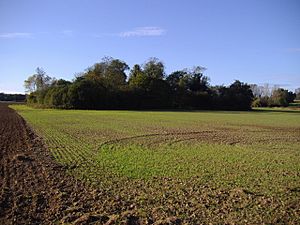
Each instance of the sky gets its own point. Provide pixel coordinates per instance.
(254, 41)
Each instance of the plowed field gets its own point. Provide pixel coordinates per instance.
(120, 167)
(36, 190)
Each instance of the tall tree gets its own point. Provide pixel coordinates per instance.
(297, 92)
(137, 77)
(110, 71)
(115, 73)
(281, 97)
(38, 81)
(176, 80)
(154, 68)
(197, 81)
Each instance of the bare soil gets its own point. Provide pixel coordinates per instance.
(34, 189)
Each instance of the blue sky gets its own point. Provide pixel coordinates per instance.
(255, 41)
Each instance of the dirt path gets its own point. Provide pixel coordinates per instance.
(35, 189)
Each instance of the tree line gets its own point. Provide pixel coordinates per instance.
(12, 97)
(266, 96)
(105, 85)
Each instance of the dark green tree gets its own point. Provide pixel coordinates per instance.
(137, 78)
(104, 86)
(109, 71)
(154, 68)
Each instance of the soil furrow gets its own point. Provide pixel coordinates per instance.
(34, 188)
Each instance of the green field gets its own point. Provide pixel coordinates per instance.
(192, 165)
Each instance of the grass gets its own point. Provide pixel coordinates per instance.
(101, 136)
(214, 165)
(141, 154)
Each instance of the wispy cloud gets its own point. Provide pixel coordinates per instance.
(67, 33)
(293, 49)
(136, 32)
(16, 35)
(143, 31)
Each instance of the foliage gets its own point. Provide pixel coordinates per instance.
(38, 81)
(256, 103)
(105, 86)
(297, 92)
(269, 97)
(111, 72)
(12, 97)
(154, 68)
(237, 96)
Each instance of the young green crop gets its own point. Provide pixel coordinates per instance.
(140, 151)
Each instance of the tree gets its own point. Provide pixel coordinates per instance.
(38, 81)
(241, 95)
(266, 90)
(137, 78)
(196, 80)
(297, 92)
(115, 73)
(281, 97)
(148, 86)
(104, 86)
(154, 68)
(190, 88)
(238, 96)
(176, 80)
(109, 71)
(61, 82)
(88, 94)
(158, 95)
(57, 94)
(291, 97)
(189, 80)
(258, 91)
(30, 84)
(12, 97)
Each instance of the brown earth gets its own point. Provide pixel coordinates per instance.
(34, 189)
